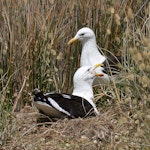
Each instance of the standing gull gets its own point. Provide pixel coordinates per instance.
(79, 104)
(90, 54)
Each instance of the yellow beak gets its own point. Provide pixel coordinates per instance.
(99, 75)
(98, 65)
(73, 40)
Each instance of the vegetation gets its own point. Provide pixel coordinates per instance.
(34, 53)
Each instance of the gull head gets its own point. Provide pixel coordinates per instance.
(83, 35)
(86, 75)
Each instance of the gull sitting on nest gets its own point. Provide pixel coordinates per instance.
(78, 104)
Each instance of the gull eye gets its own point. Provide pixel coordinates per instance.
(82, 34)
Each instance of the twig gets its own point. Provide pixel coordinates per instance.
(19, 94)
(68, 71)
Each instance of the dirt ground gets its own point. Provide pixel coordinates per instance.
(107, 131)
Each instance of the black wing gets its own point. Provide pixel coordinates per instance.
(76, 106)
(111, 64)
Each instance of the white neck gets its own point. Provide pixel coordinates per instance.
(85, 91)
(89, 51)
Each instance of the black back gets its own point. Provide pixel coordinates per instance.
(111, 64)
(76, 106)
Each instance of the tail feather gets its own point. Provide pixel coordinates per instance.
(111, 65)
(38, 95)
(36, 91)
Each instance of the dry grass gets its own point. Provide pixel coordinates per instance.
(33, 43)
(90, 133)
